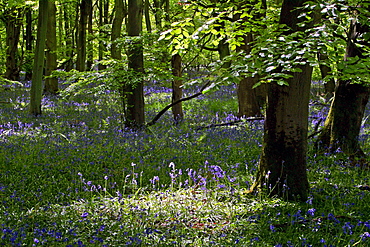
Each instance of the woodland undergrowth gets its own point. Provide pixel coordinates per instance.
(74, 177)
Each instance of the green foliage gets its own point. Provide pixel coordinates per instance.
(89, 183)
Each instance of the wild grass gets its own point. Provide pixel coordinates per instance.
(73, 177)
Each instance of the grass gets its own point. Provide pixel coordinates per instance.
(73, 178)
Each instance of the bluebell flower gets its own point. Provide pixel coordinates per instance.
(84, 215)
(365, 235)
(311, 211)
(347, 228)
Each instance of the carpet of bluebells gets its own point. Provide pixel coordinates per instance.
(75, 177)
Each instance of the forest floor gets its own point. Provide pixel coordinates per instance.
(73, 177)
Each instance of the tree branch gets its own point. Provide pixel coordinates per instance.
(230, 123)
(163, 111)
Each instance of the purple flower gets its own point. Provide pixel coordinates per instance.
(311, 211)
(84, 215)
(272, 228)
(365, 235)
(347, 228)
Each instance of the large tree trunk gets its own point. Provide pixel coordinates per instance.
(51, 84)
(38, 65)
(178, 114)
(282, 167)
(135, 118)
(343, 124)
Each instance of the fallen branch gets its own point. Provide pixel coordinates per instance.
(163, 111)
(230, 123)
(4, 102)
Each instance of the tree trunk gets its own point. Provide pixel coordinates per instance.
(250, 100)
(81, 37)
(224, 51)
(282, 167)
(90, 37)
(178, 114)
(329, 84)
(148, 23)
(135, 118)
(158, 14)
(70, 38)
(103, 4)
(51, 84)
(13, 26)
(29, 46)
(248, 103)
(119, 15)
(343, 124)
(38, 65)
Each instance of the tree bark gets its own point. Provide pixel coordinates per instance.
(329, 84)
(13, 24)
(90, 37)
(119, 15)
(250, 100)
(51, 84)
(224, 51)
(81, 37)
(134, 93)
(29, 43)
(148, 23)
(38, 65)
(103, 15)
(343, 124)
(177, 112)
(69, 38)
(282, 167)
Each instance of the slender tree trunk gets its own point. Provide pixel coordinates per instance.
(102, 34)
(148, 23)
(13, 30)
(29, 46)
(282, 167)
(51, 84)
(119, 15)
(250, 100)
(90, 37)
(178, 114)
(158, 14)
(70, 38)
(248, 103)
(81, 38)
(224, 51)
(329, 84)
(38, 65)
(135, 118)
(343, 124)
